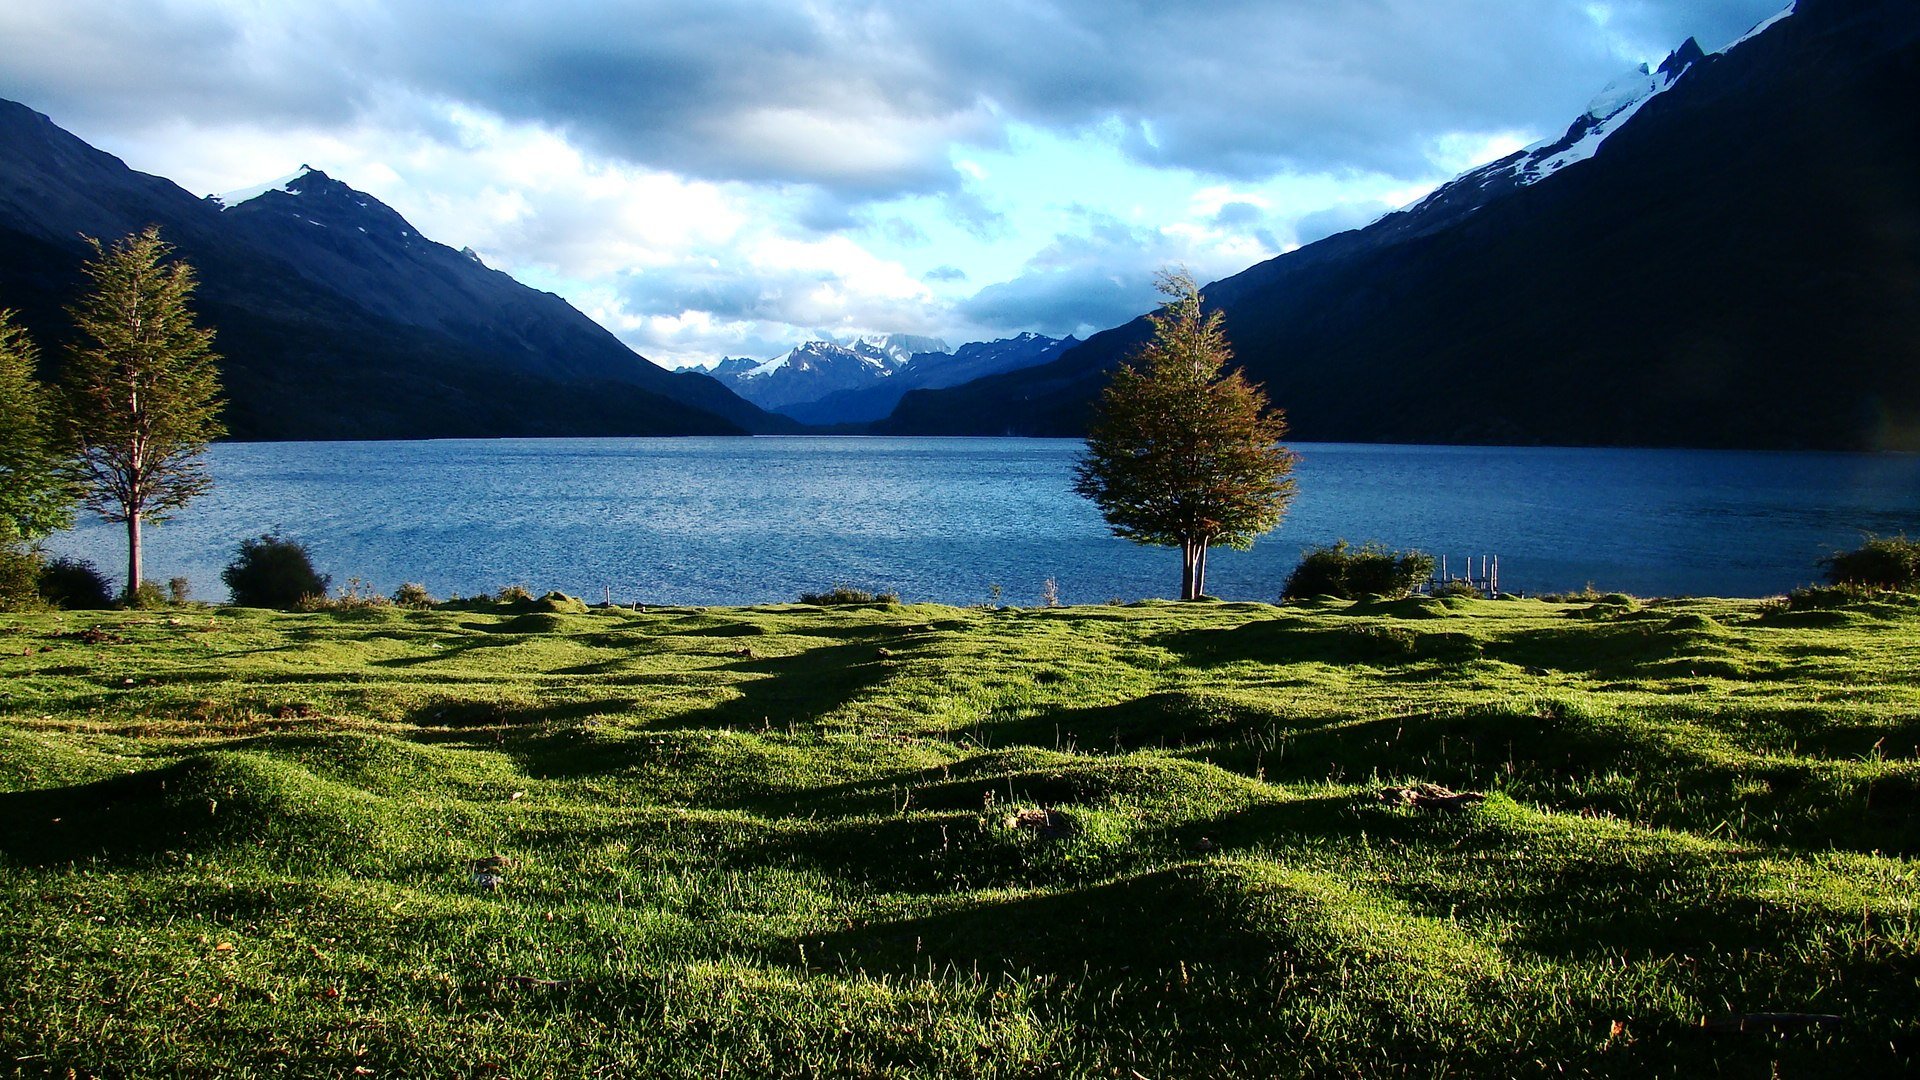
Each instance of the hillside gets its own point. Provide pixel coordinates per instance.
(1151, 840)
(1730, 258)
(335, 317)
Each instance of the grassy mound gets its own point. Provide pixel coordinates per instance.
(527, 837)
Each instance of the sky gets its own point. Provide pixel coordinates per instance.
(733, 177)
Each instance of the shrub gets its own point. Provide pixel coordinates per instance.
(1828, 597)
(841, 595)
(357, 595)
(273, 572)
(149, 595)
(1352, 573)
(19, 578)
(514, 594)
(1458, 588)
(74, 584)
(1881, 563)
(179, 590)
(414, 595)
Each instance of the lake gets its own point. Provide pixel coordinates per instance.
(738, 521)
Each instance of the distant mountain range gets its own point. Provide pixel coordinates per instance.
(335, 317)
(830, 383)
(1723, 251)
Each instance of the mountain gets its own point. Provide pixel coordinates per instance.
(973, 360)
(1724, 251)
(899, 349)
(826, 383)
(807, 372)
(335, 317)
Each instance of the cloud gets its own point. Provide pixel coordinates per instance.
(736, 175)
(867, 101)
(902, 233)
(1239, 215)
(971, 211)
(1337, 218)
(1102, 275)
(772, 292)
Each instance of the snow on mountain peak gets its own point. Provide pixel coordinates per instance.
(234, 198)
(1759, 29)
(1606, 113)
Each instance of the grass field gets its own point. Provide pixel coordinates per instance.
(1108, 841)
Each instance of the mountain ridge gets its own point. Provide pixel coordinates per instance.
(352, 327)
(1734, 265)
(830, 383)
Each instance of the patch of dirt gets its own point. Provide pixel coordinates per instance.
(1046, 824)
(1428, 797)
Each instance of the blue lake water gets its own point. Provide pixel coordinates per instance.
(735, 521)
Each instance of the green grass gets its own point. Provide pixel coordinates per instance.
(784, 840)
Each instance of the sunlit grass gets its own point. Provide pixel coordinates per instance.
(800, 840)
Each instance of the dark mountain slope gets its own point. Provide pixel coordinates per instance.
(1737, 265)
(335, 318)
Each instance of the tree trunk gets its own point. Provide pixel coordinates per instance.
(133, 558)
(1186, 569)
(1200, 571)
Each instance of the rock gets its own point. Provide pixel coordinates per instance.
(1428, 797)
(1047, 824)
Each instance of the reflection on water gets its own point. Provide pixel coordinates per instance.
(729, 521)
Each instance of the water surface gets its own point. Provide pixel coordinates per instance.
(734, 521)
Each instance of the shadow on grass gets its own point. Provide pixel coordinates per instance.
(1154, 921)
(1296, 641)
(463, 715)
(799, 688)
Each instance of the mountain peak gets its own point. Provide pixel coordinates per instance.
(1688, 54)
(290, 183)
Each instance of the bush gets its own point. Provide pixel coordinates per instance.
(179, 590)
(1829, 597)
(357, 595)
(149, 595)
(273, 572)
(1881, 563)
(1353, 573)
(75, 584)
(19, 578)
(514, 594)
(413, 595)
(841, 595)
(1587, 595)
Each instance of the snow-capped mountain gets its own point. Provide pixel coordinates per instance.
(337, 319)
(807, 372)
(815, 369)
(898, 349)
(1720, 251)
(973, 360)
(860, 378)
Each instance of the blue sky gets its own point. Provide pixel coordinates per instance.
(731, 177)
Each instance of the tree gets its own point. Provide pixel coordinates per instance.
(36, 493)
(143, 391)
(1180, 454)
